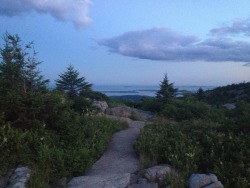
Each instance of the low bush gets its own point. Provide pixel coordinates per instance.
(68, 151)
(179, 110)
(199, 146)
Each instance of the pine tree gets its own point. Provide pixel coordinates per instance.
(166, 91)
(12, 64)
(200, 94)
(71, 83)
(34, 80)
(18, 69)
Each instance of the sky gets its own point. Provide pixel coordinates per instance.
(128, 42)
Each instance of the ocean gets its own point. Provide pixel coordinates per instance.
(115, 90)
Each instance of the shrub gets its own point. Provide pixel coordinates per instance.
(180, 110)
(199, 146)
(51, 154)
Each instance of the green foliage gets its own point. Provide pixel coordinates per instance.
(200, 94)
(71, 83)
(40, 128)
(199, 146)
(149, 104)
(18, 69)
(166, 91)
(68, 151)
(181, 109)
(229, 94)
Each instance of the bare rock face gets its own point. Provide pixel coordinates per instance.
(204, 181)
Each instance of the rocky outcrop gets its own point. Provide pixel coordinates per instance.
(204, 181)
(100, 105)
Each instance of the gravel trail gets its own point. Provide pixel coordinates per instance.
(120, 156)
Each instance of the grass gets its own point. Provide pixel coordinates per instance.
(198, 146)
(52, 154)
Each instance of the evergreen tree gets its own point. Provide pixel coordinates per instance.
(71, 83)
(200, 94)
(21, 99)
(18, 69)
(166, 91)
(12, 63)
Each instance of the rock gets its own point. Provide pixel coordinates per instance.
(145, 115)
(19, 177)
(101, 181)
(101, 105)
(142, 181)
(229, 106)
(157, 173)
(121, 111)
(217, 184)
(204, 181)
(144, 185)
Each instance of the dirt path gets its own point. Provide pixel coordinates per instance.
(120, 156)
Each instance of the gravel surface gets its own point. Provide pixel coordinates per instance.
(120, 156)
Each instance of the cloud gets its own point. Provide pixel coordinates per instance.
(168, 45)
(239, 26)
(74, 11)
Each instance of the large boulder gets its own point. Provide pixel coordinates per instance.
(229, 106)
(100, 105)
(204, 181)
(121, 111)
(157, 173)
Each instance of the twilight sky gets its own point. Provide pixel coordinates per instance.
(132, 42)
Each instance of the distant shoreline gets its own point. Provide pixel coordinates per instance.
(140, 90)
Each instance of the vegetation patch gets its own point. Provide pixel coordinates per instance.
(199, 147)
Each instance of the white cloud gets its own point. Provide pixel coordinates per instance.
(74, 11)
(165, 44)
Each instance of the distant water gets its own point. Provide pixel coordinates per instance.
(111, 90)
